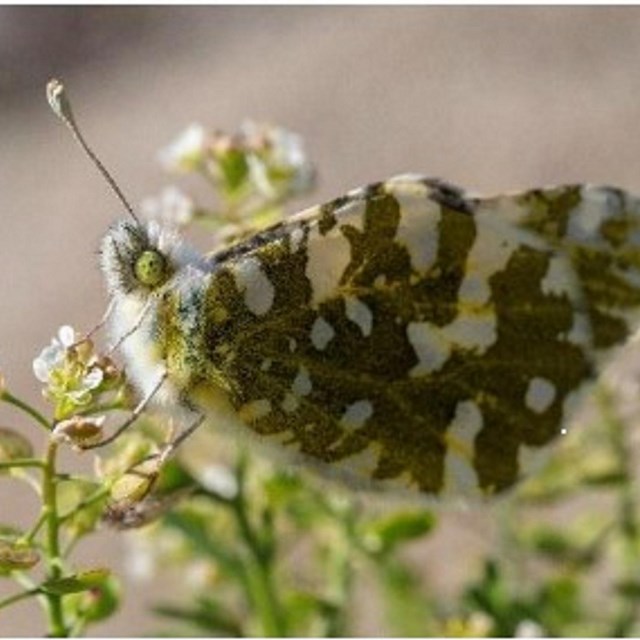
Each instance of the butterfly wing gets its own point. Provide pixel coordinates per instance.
(409, 336)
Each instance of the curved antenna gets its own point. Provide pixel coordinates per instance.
(59, 103)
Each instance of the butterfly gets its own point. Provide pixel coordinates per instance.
(406, 336)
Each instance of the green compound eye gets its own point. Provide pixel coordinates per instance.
(151, 268)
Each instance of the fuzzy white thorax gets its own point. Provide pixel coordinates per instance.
(135, 305)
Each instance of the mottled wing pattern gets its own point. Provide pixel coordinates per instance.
(408, 336)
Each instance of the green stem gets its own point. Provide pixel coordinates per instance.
(28, 409)
(259, 576)
(627, 516)
(338, 590)
(105, 407)
(17, 597)
(28, 537)
(83, 504)
(24, 462)
(57, 627)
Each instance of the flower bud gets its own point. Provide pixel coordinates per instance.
(79, 431)
(137, 482)
(15, 558)
(82, 351)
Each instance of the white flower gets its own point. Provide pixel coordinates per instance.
(218, 478)
(287, 148)
(142, 558)
(200, 574)
(281, 149)
(186, 150)
(260, 177)
(172, 207)
(529, 629)
(92, 380)
(53, 355)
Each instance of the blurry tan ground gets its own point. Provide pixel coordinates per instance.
(491, 98)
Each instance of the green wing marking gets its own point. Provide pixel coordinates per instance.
(408, 336)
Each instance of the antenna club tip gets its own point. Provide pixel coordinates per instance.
(58, 100)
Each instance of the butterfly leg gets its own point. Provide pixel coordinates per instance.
(170, 447)
(135, 414)
(97, 327)
(132, 329)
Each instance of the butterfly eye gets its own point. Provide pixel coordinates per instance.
(151, 268)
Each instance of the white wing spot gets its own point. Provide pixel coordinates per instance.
(586, 218)
(357, 414)
(255, 410)
(321, 333)
(357, 469)
(358, 312)
(302, 383)
(460, 477)
(327, 258)
(494, 244)
(431, 348)
(473, 331)
(258, 290)
(295, 238)
(540, 395)
(559, 279)
(531, 459)
(290, 403)
(580, 333)
(418, 225)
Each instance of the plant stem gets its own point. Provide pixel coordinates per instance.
(28, 409)
(627, 517)
(339, 587)
(16, 597)
(57, 627)
(28, 537)
(98, 495)
(116, 405)
(24, 462)
(259, 576)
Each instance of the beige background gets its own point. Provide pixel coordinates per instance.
(491, 98)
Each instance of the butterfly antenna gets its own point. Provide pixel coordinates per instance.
(61, 106)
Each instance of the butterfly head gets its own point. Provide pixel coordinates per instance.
(140, 258)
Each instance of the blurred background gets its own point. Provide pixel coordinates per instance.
(493, 99)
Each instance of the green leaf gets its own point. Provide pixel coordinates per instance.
(13, 446)
(578, 546)
(173, 476)
(381, 536)
(98, 602)
(234, 168)
(76, 583)
(407, 609)
(613, 478)
(553, 544)
(629, 589)
(208, 616)
(560, 604)
(193, 528)
(9, 533)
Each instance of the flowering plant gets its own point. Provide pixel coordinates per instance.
(264, 551)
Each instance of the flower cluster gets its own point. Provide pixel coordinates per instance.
(75, 378)
(253, 171)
